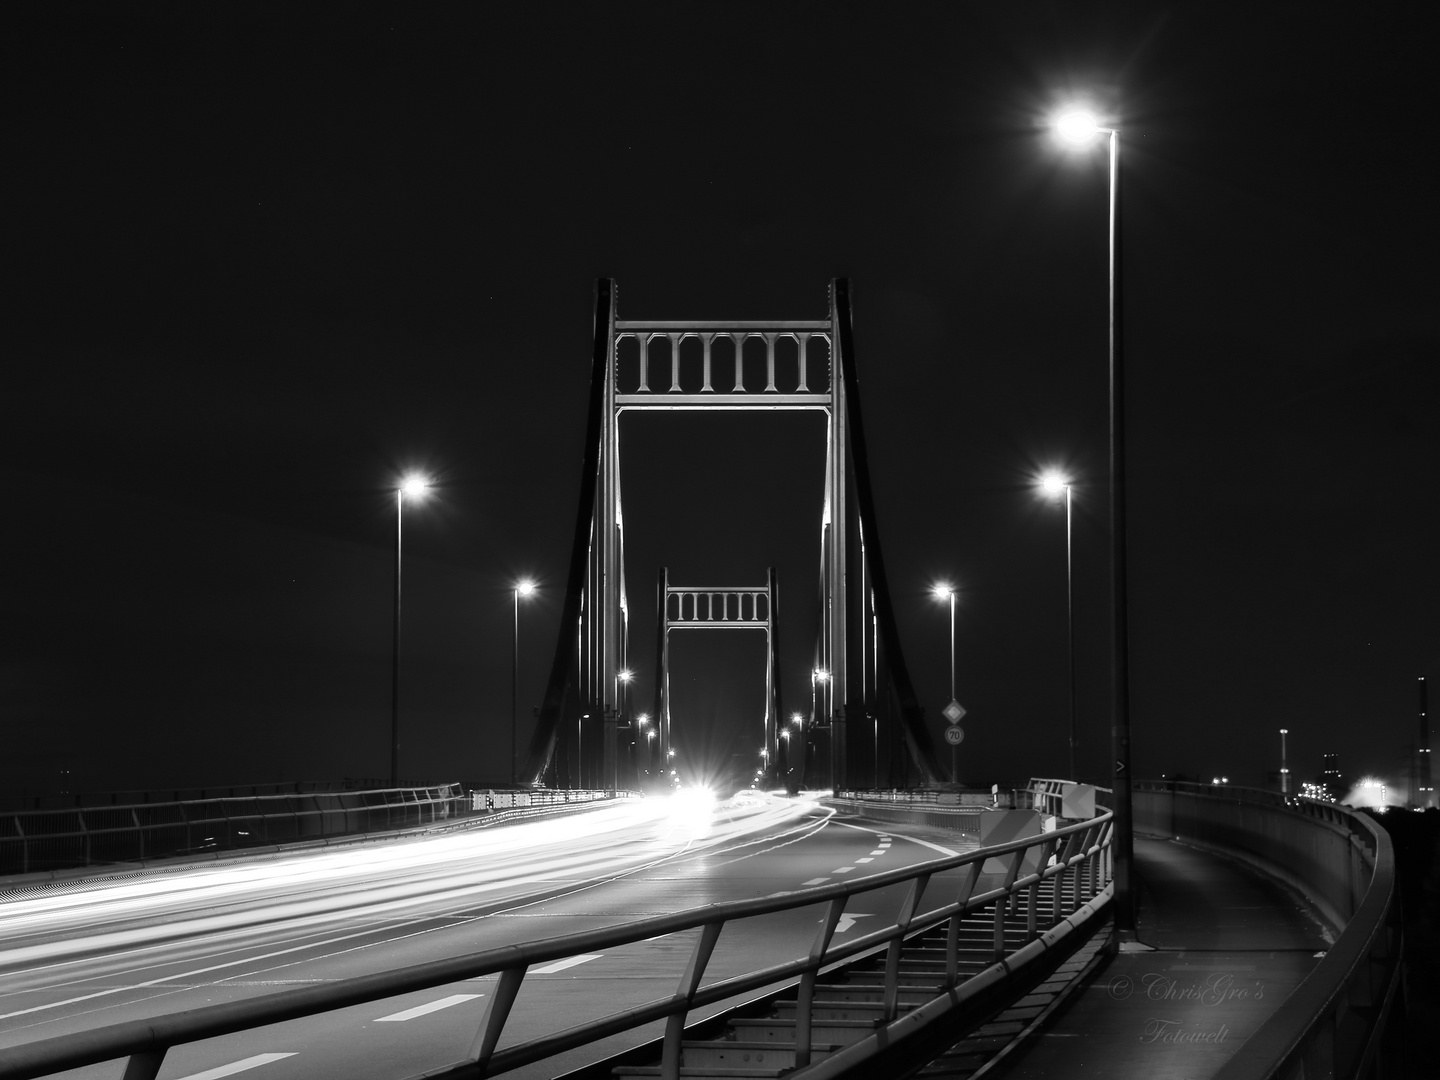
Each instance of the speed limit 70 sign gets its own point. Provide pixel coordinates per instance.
(954, 734)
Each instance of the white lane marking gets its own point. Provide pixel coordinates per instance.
(237, 1066)
(813, 881)
(843, 869)
(568, 962)
(847, 920)
(885, 838)
(430, 1007)
(933, 847)
(866, 859)
(879, 851)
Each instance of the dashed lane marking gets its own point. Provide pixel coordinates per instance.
(429, 1007)
(568, 962)
(813, 881)
(243, 1065)
(879, 851)
(843, 869)
(866, 859)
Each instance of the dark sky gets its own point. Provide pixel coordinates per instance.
(265, 257)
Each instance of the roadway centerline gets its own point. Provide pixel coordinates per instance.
(243, 1065)
(568, 962)
(427, 1008)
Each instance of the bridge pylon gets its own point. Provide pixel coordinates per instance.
(793, 365)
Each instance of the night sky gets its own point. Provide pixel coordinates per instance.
(264, 258)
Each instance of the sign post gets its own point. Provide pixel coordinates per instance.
(954, 735)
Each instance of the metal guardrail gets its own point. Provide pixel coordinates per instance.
(1077, 857)
(36, 840)
(489, 801)
(1335, 1021)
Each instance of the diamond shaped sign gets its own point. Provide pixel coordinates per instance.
(954, 712)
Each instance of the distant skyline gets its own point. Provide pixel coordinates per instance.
(272, 258)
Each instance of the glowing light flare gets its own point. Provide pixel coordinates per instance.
(1076, 126)
(414, 486)
(525, 586)
(1054, 483)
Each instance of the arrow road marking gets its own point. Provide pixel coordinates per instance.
(847, 920)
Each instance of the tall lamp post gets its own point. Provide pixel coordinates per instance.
(820, 675)
(523, 587)
(1080, 128)
(944, 591)
(414, 486)
(622, 683)
(1284, 765)
(1054, 483)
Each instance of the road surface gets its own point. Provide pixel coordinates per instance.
(118, 948)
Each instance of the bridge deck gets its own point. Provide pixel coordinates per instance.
(1229, 946)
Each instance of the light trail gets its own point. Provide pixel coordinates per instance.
(293, 905)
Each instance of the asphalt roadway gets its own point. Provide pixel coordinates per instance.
(113, 949)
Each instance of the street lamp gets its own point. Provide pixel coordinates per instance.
(523, 587)
(1053, 484)
(1284, 771)
(943, 591)
(1079, 127)
(414, 486)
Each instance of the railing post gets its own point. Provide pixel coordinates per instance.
(805, 999)
(144, 1065)
(496, 1013)
(952, 934)
(689, 982)
(897, 944)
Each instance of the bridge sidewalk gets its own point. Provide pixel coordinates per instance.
(1227, 945)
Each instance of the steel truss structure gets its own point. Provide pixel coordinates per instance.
(792, 365)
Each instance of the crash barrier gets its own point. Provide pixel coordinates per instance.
(1076, 864)
(973, 813)
(1337, 1022)
(927, 797)
(37, 840)
(76, 799)
(489, 802)
(961, 819)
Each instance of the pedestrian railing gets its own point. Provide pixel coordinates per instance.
(1075, 861)
(36, 840)
(1337, 1021)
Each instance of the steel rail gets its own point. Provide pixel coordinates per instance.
(1080, 850)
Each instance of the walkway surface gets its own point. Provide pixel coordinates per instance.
(1228, 946)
